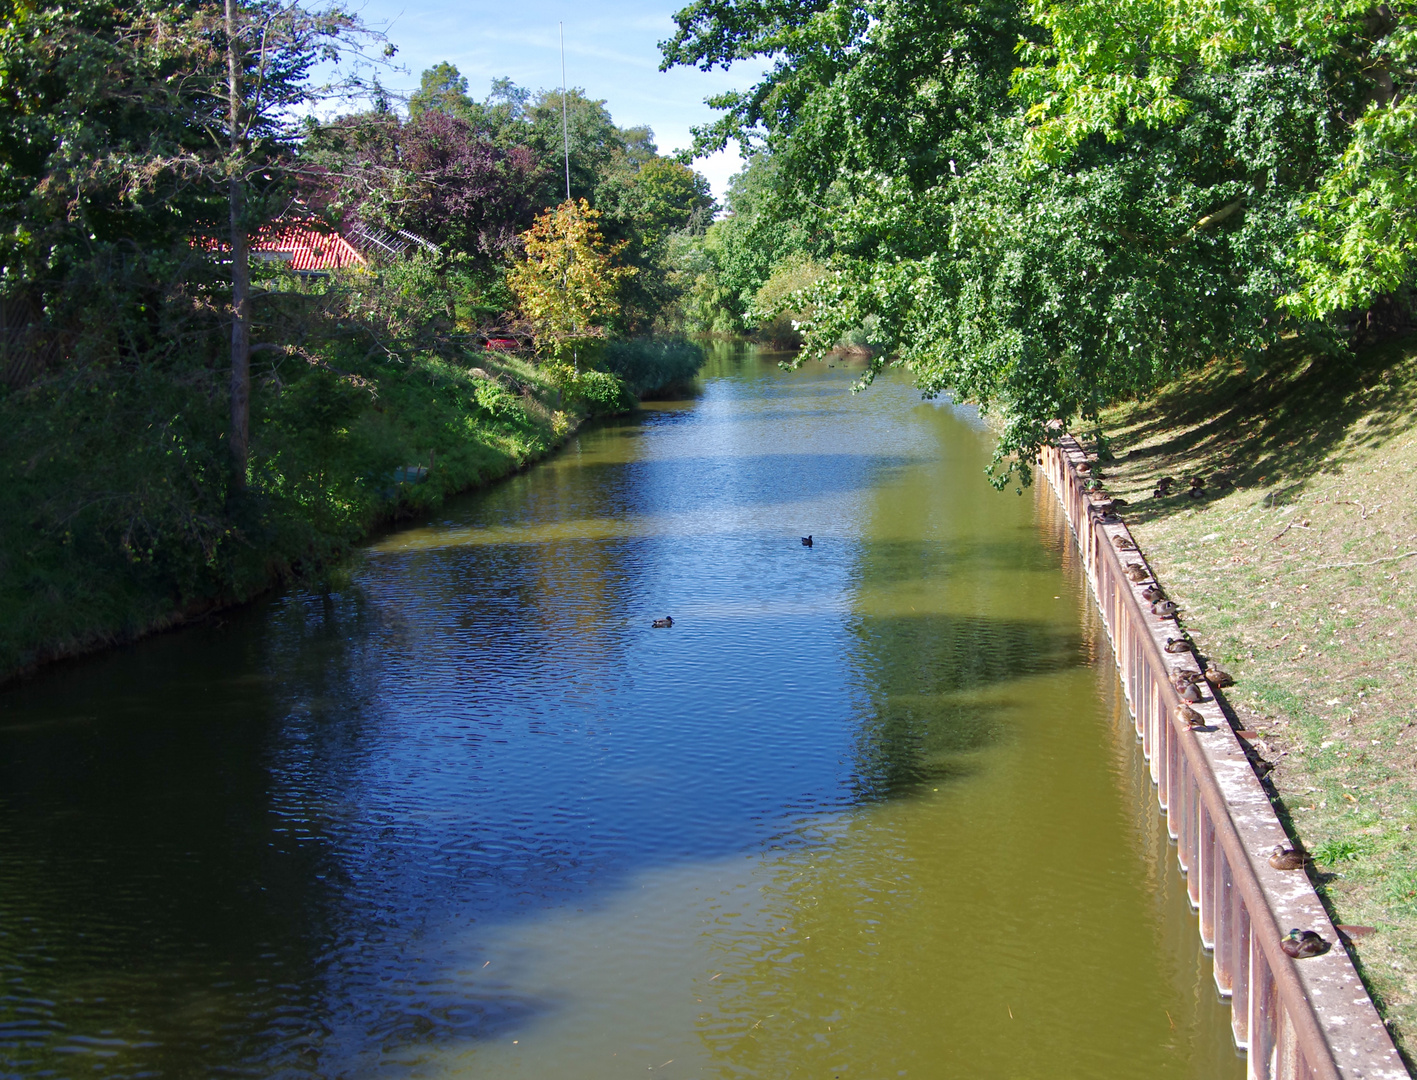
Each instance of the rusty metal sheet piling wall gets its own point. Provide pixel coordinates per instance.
(1306, 1019)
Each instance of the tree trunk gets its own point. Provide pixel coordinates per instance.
(240, 434)
(240, 336)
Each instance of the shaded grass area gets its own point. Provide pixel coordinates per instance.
(1297, 569)
(117, 515)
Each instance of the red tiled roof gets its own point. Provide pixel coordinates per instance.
(307, 249)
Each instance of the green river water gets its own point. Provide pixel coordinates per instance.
(870, 809)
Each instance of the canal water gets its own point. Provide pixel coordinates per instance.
(868, 809)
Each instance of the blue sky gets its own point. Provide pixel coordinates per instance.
(611, 50)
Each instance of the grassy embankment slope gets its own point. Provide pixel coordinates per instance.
(1298, 572)
(115, 518)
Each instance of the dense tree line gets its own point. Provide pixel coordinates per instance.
(1045, 206)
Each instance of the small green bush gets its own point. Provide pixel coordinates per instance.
(651, 366)
(603, 393)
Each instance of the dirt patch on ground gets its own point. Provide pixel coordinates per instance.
(1295, 565)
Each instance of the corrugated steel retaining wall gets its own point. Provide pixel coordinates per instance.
(1307, 1019)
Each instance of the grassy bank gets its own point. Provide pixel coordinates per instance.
(116, 516)
(1297, 570)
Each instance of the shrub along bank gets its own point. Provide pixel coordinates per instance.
(117, 512)
(1296, 569)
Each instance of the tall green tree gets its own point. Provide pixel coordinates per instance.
(1040, 288)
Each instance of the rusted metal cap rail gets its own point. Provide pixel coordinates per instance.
(1308, 1019)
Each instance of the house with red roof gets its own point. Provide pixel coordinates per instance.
(304, 249)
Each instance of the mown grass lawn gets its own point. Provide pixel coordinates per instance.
(1296, 569)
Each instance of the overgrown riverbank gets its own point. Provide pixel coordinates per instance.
(116, 516)
(1297, 570)
(117, 512)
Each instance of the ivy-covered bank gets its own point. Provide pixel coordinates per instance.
(118, 515)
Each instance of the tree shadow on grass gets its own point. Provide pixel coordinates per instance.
(1303, 416)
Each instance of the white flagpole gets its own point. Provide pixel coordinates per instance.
(565, 129)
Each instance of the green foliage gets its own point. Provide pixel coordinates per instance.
(1100, 74)
(600, 391)
(1332, 852)
(895, 152)
(652, 366)
(115, 507)
(442, 88)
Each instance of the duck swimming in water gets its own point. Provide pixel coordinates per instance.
(1283, 858)
(806, 541)
(661, 624)
(1301, 944)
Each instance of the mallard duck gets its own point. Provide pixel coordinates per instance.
(663, 623)
(1285, 858)
(1124, 543)
(1190, 692)
(1165, 483)
(806, 541)
(1218, 677)
(1188, 715)
(1177, 645)
(1137, 572)
(1165, 609)
(1152, 593)
(1301, 944)
(1120, 502)
(1084, 469)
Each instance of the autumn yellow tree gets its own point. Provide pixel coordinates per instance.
(568, 282)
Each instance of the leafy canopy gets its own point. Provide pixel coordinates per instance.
(1039, 273)
(568, 281)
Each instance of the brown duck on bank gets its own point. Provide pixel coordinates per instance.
(1284, 858)
(1219, 678)
(1124, 543)
(1189, 691)
(1188, 715)
(1136, 572)
(1301, 944)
